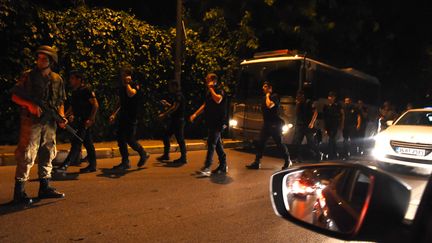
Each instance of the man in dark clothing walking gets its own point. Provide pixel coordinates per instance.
(130, 100)
(306, 115)
(272, 127)
(351, 125)
(214, 109)
(333, 116)
(176, 123)
(82, 114)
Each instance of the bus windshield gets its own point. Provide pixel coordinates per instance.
(283, 75)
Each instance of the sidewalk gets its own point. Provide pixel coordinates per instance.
(110, 149)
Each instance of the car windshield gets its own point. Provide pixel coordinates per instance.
(416, 118)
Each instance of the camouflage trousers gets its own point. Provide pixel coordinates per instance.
(36, 141)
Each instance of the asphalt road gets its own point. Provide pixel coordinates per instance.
(159, 203)
(155, 204)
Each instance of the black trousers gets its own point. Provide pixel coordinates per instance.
(332, 148)
(76, 145)
(175, 127)
(126, 136)
(302, 131)
(349, 134)
(214, 142)
(273, 130)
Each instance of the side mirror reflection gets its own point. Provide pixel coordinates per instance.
(331, 198)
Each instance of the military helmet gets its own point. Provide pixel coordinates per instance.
(50, 51)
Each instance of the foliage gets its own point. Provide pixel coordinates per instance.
(98, 41)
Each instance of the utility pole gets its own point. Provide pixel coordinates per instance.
(178, 43)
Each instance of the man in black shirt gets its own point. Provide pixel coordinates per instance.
(130, 100)
(333, 116)
(176, 123)
(82, 113)
(272, 127)
(351, 125)
(306, 115)
(214, 109)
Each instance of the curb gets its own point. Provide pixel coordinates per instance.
(113, 152)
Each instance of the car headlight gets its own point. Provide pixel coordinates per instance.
(233, 123)
(286, 128)
(378, 151)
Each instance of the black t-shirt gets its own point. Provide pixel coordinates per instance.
(80, 103)
(271, 115)
(215, 114)
(332, 115)
(180, 100)
(304, 112)
(351, 113)
(129, 105)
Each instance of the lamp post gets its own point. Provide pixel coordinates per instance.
(178, 44)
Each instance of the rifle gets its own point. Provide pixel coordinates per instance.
(48, 112)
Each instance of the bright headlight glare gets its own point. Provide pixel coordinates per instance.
(233, 123)
(286, 128)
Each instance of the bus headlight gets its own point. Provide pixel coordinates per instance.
(286, 128)
(233, 123)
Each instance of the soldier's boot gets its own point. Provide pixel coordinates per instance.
(20, 197)
(45, 191)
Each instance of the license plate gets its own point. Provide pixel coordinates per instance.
(417, 152)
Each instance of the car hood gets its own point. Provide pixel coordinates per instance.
(412, 134)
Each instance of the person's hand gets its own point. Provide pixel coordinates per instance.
(89, 123)
(165, 103)
(268, 94)
(63, 123)
(161, 116)
(71, 118)
(35, 110)
(127, 80)
(210, 85)
(358, 127)
(112, 119)
(192, 117)
(311, 125)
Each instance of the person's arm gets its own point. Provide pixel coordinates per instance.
(61, 112)
(95, 107)
(269, 102)
(215, 96)
(197, 112)
(130, 91)
(314, 117)
(113, 115)
(342, 118)
(170, 110)
(30, 106)
(359, 121)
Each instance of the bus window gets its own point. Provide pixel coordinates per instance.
(284, 77)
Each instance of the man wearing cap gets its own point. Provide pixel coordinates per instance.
(272, 127)
(82, 113)
(37, 131)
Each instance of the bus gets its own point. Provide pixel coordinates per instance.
(289, 72)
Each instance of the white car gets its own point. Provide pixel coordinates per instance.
(408, 141)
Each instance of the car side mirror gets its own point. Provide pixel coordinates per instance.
(389, 122)
(341, 200)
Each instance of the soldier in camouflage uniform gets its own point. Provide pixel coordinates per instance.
(37, 130)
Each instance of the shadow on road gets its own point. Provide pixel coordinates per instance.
(115, 174)
(169, 164)
(65, 176)
(10, 207)
(221, 179)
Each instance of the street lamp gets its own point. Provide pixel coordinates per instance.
(178, 43)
